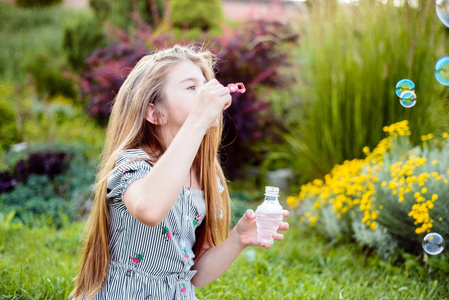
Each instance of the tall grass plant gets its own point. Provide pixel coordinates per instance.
(346, 67)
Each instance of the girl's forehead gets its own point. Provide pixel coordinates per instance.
(184, 71)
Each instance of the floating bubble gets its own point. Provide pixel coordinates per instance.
(442, 7)
(433, 243)
(408, 99)
(404, 85)
(442, 70)
(250, 255)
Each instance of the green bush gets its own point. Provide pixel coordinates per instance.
(60, 121)
(47, 189)
(196, 14)
(37, 3)
(81, 38)
(30, 34)
(123, 13)
(47, 68)
(9, 132)
(346, 67)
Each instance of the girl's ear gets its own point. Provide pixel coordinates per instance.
(154, 116)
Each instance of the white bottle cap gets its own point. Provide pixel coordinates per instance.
(272, 191)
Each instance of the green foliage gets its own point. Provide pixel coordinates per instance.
(36, 201)
(33, 34)
(200, 14)
(8, 126)
(125, 14)
(47, 71)
(37, 3)
(59, 121)
(350, 59)
(44, 194)
(81, 38)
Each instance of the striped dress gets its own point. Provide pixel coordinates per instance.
(150, 262)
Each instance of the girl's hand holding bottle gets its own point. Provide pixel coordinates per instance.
(246, 230)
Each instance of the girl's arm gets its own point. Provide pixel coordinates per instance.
(214, 261)
(149, 199)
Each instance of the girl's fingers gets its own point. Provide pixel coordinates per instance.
(283, 226)
(278, 236)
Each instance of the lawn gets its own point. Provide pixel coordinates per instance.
(39, 264)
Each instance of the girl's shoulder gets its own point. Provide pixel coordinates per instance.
(132, 154)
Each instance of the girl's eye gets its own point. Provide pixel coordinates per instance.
(191, 87)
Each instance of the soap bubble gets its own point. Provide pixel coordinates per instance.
(442, 70)
(408, 99)
(250, 255)
(442, 7)
(404, 85)
(433, 243)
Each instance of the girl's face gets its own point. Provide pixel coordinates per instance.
(182, 82)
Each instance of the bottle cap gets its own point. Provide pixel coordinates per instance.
(272, 191)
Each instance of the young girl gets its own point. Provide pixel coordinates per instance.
(159, 225)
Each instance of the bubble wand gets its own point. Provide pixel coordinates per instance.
(237, 87)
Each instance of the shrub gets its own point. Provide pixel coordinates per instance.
(8, 127)
(47, 71)
(122, 13)
(253, 55)
(26, 32)
(81, 38)
(200, 14)
(46, 163)
(350, 63)
(50, 186)
(104, 77)
(59, 121)
(398, 189)
(37, 3)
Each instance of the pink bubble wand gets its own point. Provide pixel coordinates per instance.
(236, 87)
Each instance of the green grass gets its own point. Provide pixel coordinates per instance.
(39, 264)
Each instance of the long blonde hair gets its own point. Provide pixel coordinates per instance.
(128, 129)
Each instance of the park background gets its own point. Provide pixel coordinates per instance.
(365, 179)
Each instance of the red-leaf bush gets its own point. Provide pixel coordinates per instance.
(106, 71)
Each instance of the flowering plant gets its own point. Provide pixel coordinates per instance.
(398, 190)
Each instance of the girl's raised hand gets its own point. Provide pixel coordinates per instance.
(246, 230)
(211, 99)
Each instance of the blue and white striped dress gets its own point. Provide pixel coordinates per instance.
(150, 262)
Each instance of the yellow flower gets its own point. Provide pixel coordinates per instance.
(434, 162)
(365, 149)
(445, 135)
(423, 190)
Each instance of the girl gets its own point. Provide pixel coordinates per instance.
(159, 225)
